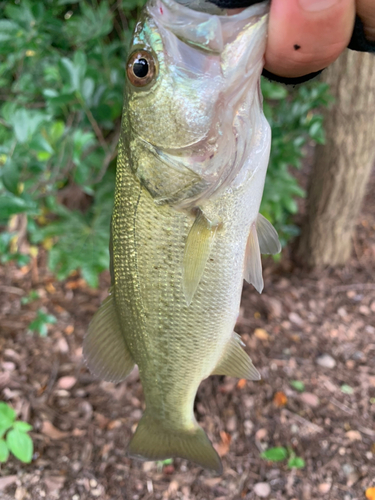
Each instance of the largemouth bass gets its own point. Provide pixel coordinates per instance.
(186, 228)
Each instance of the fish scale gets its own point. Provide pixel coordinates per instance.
(181, 245)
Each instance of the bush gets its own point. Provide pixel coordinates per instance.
(62, 71)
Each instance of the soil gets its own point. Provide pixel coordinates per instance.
(302, 321)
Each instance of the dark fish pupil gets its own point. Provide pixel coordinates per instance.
(140, 68)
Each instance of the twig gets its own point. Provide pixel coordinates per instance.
(93, 122)
(110, 155)
(342, 406)
(11, 289)
(354, 286)
(303, 421)
(367, 431)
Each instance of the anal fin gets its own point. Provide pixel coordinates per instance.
(235, 362)
(253, 263)
(197, 250)
(267, 235)
(104, 348)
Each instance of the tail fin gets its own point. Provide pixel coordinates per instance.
(152, 441)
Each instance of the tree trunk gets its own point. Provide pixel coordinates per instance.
(343, 165)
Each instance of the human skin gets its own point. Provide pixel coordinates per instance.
(306, 36)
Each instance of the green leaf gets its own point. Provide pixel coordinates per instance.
(296, 463)
(298, 385)
(40, 323)
(20, 444)
(22, 426)
(10, 205)
(4, 451)
(6, 412)
(277, 454)
(346, 389)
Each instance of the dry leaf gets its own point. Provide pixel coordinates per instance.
(354, 435)
(50, 288)
(69, 329)
(66, 382)
(101, 420)
(241, 383)
(223, 447)
(78, 432)
(370, 493)
(261, 334)
(7, 481)
(280, 399)
(324, 488)
(52, 432)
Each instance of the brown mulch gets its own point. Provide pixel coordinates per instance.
(81, 426)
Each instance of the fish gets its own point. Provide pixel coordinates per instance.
(186, 228)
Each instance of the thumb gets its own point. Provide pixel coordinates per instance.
(305, 36)
(366, 11)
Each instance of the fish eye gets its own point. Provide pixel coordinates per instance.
(141, 68)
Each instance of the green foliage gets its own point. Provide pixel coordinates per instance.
(62, 65)
(346, 389)
(41, 322)
(298, 385)
(14, 436)
(32, 295)
(279, 454)
(294, 124)
(296, 463)
(62, 73)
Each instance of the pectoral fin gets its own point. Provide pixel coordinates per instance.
(197, 250)
(267, 235)
(253, 263)
(104, 347)
(235, 362)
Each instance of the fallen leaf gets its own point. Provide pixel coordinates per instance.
(78, 432)
(370, 493)
(223, 447)
(114, 424)
(310, 399)
(66, 382)
(241, 383)
(49, 430)
(262, 490)
(102, 420)
(54, 483)
(7, 481)
(324, 488)
(211, 482)
(69, 329)
(261, 334)
(280, 399)
(261, 434)
(50, 288)
(354, 435)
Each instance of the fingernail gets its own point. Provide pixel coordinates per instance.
(316, 5)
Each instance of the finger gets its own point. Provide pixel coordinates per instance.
(366, 11)
(305, 36)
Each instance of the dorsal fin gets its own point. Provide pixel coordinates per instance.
(267, 235)
(197, 250)
(253, 263)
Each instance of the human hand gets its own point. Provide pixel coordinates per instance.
(306, 36)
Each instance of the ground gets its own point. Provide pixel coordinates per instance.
(315, 328)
